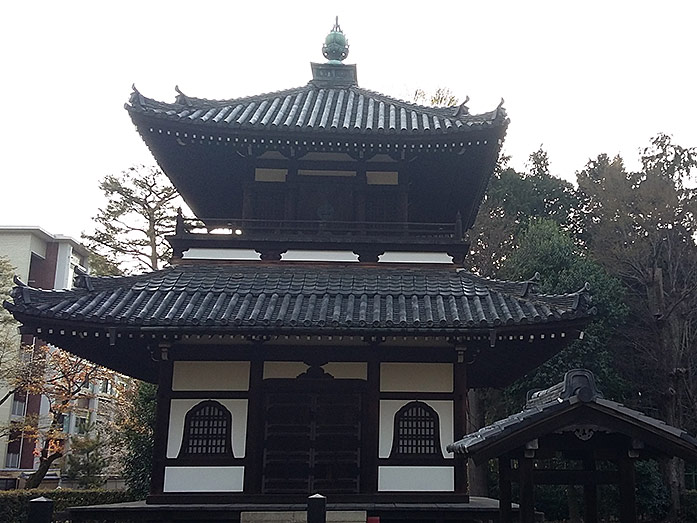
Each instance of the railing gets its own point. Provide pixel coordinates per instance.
(301, 229)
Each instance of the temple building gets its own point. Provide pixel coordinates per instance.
(316, 331)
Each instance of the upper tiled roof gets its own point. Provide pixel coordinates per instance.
(577, 391)
(309, 109)
(293, 298)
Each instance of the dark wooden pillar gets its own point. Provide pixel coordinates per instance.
(255, 428)
(371, 430)
(627, 491)
(590, 492)
(460, 416)
(164, 394)
(527, 490)
(505, 512)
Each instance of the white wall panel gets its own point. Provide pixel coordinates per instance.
(283, 369)
(416, 479)
(388, 409)
(210, 375)
(347, 370)
(204, 479)
(177, 413)
(416, 377)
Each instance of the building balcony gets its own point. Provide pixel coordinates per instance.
(272, 238)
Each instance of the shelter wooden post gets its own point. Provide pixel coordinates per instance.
(590, 492)
(527, 490)
(505, 512)
(627, 490)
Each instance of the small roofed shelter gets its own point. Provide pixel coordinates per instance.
(573, 420)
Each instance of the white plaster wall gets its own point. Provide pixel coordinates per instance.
(416, 377)
(416, 479)
(17, 247)
(347, 370)
(63, 276)
(211, 375)
(388, 409)
(204, 479)
(177, 413)
(283, 369)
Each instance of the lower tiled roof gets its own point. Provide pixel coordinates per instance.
(301, 297)
(558, 400)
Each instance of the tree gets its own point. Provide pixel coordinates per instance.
(441, 97)
(511, 200)
(141, 210)
(88, 459)
(67, 378)
(642, 226)
(135, 427)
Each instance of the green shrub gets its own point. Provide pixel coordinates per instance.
(14, 504)
(689, 505)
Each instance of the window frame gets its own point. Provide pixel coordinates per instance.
(186, 434)
(397, 454)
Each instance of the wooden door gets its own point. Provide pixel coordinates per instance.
(312, 442)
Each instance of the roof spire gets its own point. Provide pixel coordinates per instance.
(336, 46)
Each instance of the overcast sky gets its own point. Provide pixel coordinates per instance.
(580, 78)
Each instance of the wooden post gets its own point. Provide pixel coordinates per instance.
(527, 490)
(590, 493)
(255, 428)
(505, 512)
(370, 446)
(40, 510)
(627, 491)
(460, 416)
(317, 509)
(164, 392)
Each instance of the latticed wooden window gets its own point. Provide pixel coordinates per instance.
(416, 431)
(207, 430)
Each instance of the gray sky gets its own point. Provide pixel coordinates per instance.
(581, 78)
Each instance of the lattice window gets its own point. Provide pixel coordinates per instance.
(207, 431)
(416, 431)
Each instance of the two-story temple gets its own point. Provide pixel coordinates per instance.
(281, 375)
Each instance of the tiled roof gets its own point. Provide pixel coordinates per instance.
(291, 297)
(348, 110)
(554, 402)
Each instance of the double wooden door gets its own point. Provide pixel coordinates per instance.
(312, 440)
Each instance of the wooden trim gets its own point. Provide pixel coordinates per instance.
(417, 396)
(164, 389)
(416, 461)
(208, 394)
(255, 426)
(205, 461)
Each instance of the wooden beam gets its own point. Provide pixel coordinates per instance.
(164, 390)
(505, 498)
(590, 492)
(627, 490)
(255, 428)
(527, 490)
(460, 417)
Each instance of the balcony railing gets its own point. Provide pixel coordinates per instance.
(273, 237)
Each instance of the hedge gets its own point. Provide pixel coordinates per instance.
(14, 503)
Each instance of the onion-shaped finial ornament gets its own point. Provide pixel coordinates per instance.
(336, 46)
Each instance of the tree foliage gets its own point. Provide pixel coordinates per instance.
(88, 459)
(441, 97)
(141, 210)
(135, 430)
